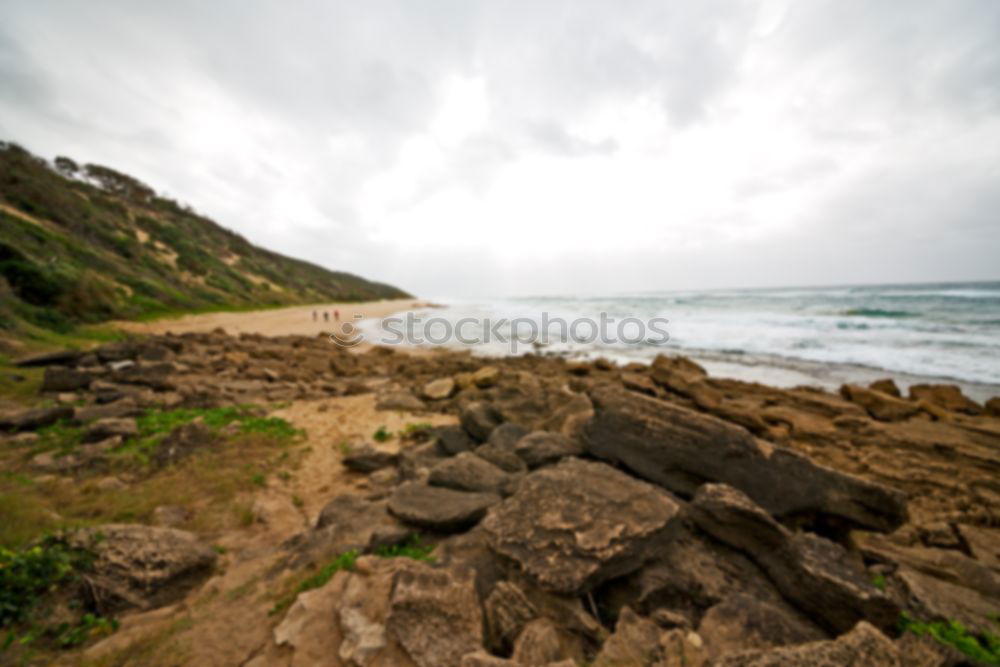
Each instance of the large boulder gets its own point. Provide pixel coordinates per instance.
(689, 575)
(816, 575)
(680, 449)
(143, 567)
(864, 646)
(439, 509)
(468, 472)
(881, 406)
(579, 523)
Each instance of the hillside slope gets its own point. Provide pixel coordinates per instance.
(88, 244)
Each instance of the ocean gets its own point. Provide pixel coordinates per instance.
(825, 336)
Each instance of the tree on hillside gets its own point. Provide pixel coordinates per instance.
(117, 183)
(67, 167)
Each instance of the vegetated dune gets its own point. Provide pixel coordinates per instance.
(89, 244)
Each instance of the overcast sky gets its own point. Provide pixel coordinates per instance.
(519, 148)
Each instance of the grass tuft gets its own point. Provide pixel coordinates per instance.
(984, 648)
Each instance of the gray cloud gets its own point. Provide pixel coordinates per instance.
(542, 147)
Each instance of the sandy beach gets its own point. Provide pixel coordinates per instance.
(295, 320)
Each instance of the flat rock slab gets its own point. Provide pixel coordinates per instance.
(439, 509)
(579, 523)
(680, 449)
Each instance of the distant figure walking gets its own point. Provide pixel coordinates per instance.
(326, 316)
(314, 316)
(336, 315)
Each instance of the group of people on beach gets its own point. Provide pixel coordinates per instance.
(326, 316)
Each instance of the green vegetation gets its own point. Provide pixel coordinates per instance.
(90, 244)
(878, 581)
(412, 548)
(210, 478)
(155, 425)
(31, 576)
(415, 429)
(985, 648)
(344, 561)
(381, 434)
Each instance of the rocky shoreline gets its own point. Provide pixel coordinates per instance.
(580, 512)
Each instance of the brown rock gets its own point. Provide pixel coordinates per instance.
(29, 420)
(542, 642)
(542, 448)
(506, 435)
(366, 458)
(61, 378)
(439, 509)
(486, 376)
(577, 524)
(742, 622)
(452, 440)
(468, 472)
(639, 382)
(947, 564)
(440, 389)
(111, 427)
(680, 449)
(881, 406)
(992, 406)
(507, 610)
(403, 401)
(124, 407)
(479, 419)
(505, 459)
(690, 574)
(143, 567)
(886, 386)
(435, 615)
(947, 396)
(864, 646)
(814, 574)
(635, 642)
(930, 598)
